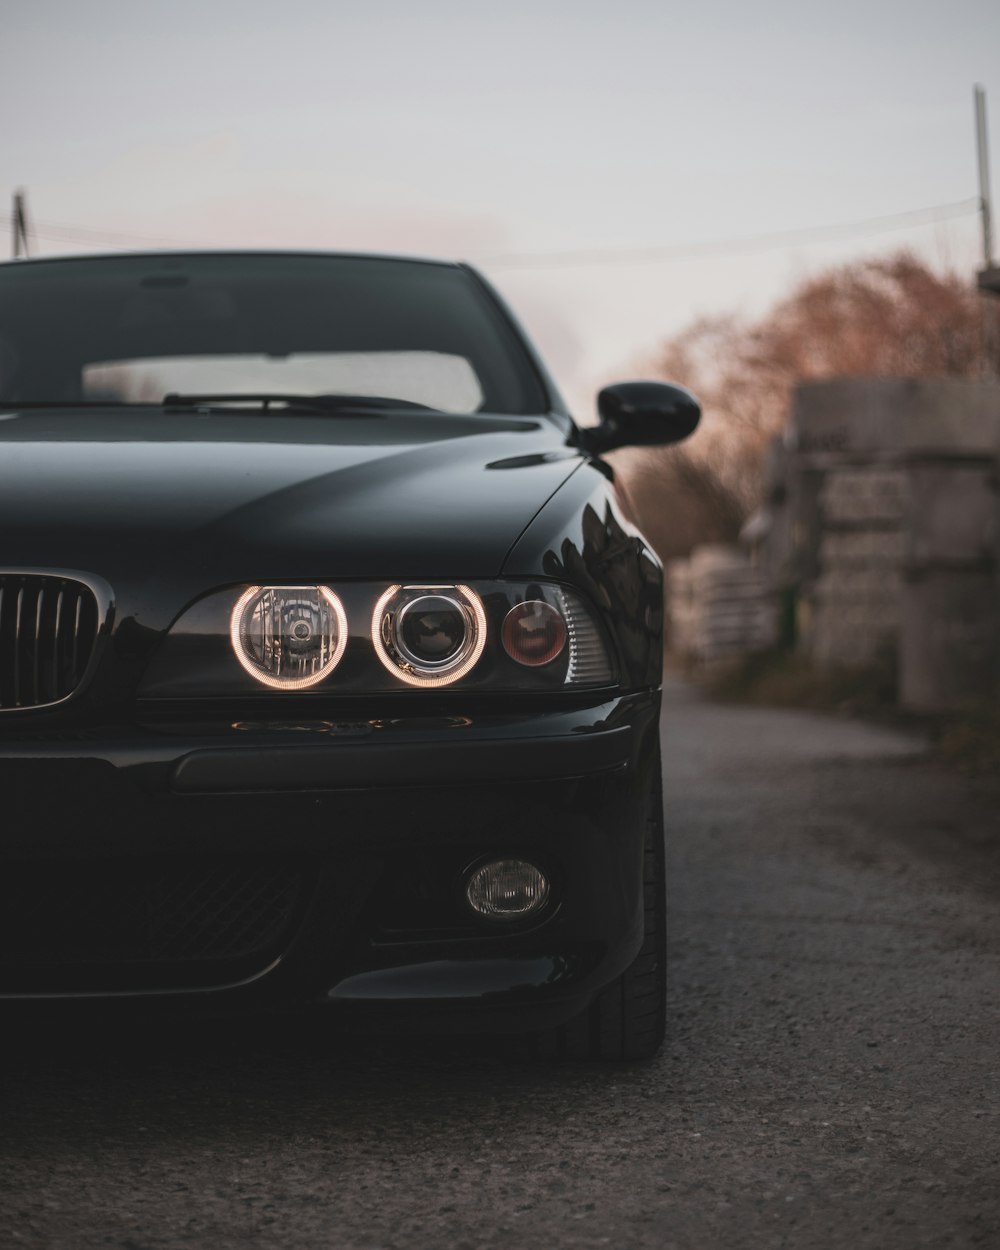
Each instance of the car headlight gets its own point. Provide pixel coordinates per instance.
(288, 637)
(429, 635)
(358, 638)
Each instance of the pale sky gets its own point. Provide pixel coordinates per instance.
(475, 132)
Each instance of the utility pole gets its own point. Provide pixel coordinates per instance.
(989, 276)
(19, 225)
(983, 153)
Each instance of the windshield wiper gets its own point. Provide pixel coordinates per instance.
(314, 403)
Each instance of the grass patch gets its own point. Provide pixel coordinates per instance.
(968, 741)
(782, 679)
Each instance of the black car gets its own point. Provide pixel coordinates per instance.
(329, 665)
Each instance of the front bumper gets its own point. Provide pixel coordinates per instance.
(357, 836)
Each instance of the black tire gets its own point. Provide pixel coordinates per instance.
(627, 1020)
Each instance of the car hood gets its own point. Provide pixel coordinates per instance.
(205, 500)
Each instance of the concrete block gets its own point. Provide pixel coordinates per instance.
(949, 640)
(862, 547)
(835, 642)
(859, 583)
(901, 416)
(952, 515)
(850, 631)
(717, 605)
(863, 496)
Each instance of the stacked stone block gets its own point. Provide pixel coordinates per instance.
(950, 601)
(850, 615)
(884, 525)
(879, 540)
(718, 607)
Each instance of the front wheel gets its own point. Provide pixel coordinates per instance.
(627, 1020)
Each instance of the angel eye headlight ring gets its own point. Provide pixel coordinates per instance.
(288, 637)
(429, 636)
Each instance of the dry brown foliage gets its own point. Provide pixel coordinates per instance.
(888, 317)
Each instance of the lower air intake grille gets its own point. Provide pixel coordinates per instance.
(223, 912)
(153, 913)
(48, 630)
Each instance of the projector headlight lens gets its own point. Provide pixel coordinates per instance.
(288, 637)
(429, 635)
(432, 630)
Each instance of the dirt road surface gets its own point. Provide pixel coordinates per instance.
(830, 1077)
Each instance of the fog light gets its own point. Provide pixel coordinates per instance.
(507, 889)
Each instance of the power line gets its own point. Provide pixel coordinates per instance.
(735, 246)
(584, 257)
(58, 232)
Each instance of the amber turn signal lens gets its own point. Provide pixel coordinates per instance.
(533, 633)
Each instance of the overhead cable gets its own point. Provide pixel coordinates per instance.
(735, 246)
(584, 257)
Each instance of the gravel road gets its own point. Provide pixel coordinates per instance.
(829, 1080)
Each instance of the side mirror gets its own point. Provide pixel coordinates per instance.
(641, 414)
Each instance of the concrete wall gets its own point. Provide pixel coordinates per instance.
(883, 520)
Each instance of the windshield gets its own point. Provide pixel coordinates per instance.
(133, 329)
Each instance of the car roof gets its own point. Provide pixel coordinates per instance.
(156, 253)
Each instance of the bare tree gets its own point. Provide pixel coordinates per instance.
(888, 317)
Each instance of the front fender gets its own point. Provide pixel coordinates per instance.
(582, 536)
